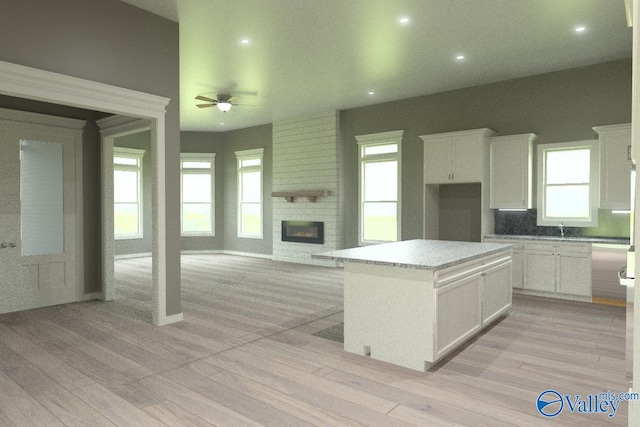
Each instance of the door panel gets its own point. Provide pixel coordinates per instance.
(37, 219)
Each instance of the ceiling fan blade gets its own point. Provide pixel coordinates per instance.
(204, 98)
(204, 105)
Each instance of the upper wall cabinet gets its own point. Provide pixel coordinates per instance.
(455, 156)
(615, 166)
(511, 171)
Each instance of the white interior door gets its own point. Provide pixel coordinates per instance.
(38, 254)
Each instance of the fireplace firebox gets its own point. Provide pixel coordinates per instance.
(303, 232)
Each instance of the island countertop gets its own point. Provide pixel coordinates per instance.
(419, 254)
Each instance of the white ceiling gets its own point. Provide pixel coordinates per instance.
(314, 55)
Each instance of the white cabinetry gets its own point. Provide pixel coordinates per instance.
(560, 268)
(414, 317)
(517, 260)
(511, 171)
(615, 166)
(455, 156)
(468, 298)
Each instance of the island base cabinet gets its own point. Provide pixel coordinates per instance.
(496, 292)
(459, 313)
(414, 317)
(388, 314)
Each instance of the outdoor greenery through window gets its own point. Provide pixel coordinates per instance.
(567, 187)
(379, 187)
(250, 193)
(197, 180)
(127, 193)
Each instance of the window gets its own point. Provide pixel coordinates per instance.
(127, 193)
(250, 193)
(197, 190)
(379, 187)
(568, 184)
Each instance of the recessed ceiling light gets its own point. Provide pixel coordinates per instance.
(580, 29)
(245, 41)
(371, 92)
(460, 57)
(404, 20)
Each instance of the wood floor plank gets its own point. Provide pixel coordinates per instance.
(289, 404)
(21, 408)
(196, 403)
(174, 415)
(114, 408)
(72, 411)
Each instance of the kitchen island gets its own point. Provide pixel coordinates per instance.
(411, 303)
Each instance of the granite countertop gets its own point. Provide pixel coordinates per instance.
(584, 239)
(418, 254)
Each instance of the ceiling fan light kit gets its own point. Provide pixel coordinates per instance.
(224, 106)
(223, 102)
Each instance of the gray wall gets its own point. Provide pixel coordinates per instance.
(111, 42)
(247, 139)
(208, 142)
(561, 106)
(225, 144)
(139, 141)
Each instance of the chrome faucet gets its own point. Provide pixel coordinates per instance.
(561, 227)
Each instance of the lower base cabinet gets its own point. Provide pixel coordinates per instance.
(556, 269)
(560, 268)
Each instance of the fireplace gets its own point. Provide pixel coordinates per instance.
(303, 232)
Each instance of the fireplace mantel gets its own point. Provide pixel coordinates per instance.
(311, 195)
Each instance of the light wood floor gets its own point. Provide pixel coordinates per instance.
(245, 356)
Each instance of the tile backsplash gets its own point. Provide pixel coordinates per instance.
(524, 224)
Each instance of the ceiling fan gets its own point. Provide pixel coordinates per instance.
(223, 102)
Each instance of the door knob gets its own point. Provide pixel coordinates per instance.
(3, 245)
(12, 244)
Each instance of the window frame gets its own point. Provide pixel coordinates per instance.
(138, 155)
(243, 155)
(594, 164)
(372, 140)
(195, 157)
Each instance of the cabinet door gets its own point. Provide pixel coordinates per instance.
(511, 172)
(540, 271)
(437, 160)
(615, 167)
(496, 291)
(458, 312)
(517, 269)
(468, 158)
(574, 274)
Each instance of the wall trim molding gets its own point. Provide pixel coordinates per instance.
(41, 85)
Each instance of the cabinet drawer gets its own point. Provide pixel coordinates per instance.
(517, 244)
(468, 269)
(579, 248)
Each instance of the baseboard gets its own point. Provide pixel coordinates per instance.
(223, 252)
(92, 295)
(167, 320)
(248, 254)
(202, 252)
(551, 295)
(128, 256)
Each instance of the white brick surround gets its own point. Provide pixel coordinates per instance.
(306, 156)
